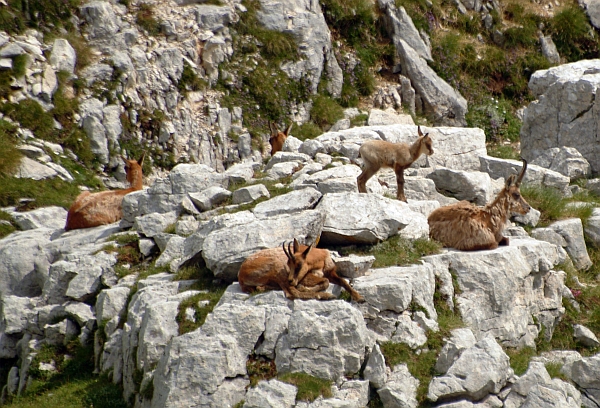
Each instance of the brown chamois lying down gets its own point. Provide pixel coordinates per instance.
(278, 138)
(295, 271)
(92, 210)
(399, 156)
(468, 227)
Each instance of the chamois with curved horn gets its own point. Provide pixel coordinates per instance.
(277, 137)
(399, 156)
(104, 207)
(468, 227)
(268, 269)
(304, 259)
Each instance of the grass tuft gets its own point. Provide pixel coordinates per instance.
(519, 359)
(309, 387)
(260, 368)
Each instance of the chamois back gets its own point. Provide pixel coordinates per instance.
(105, 207)
(399, 156)
(277, 138)
(468, 227)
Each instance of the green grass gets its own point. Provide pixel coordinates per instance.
(554, 371)
(395, 251)
(45, 192)
(519, 359)
(503, 152)
(573, 34)
(73, 386)
(10, 156)
(30, 114)
(44, 15)
(553, 206)
(326, 111)
(205, 281)
(308, 130)
(6, 228)
(309, 387)
(190, 81)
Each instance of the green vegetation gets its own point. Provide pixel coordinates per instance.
(44, 15)
(190, 81)
(260, 368)
(44, 192)
(519, 359)
(10, 156)
(145, 19)
(553, 206)
(395, 251)
(503, 152)
(306, 131)
(421, 365)
(202, 303)
(573, 35)
(6, 224)
(325, 111)
(554, 371)
(309, 387)
(72, 385)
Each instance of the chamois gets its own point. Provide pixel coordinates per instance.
(468, 227)
(303, 259)
(91, 210)
(278, 138)
(269, 269)
(398, 156)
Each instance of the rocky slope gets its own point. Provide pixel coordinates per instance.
(168, 343)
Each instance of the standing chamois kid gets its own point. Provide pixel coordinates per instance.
(91, 210)
(468, 227)
(398, 156)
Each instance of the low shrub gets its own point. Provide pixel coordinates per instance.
(325, 111)
(570, 30)
(308, 130)
(146, 20)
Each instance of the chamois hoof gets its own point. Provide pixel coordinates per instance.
(504, 241)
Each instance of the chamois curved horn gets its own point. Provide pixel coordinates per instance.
(520, 178)
(290, 250)
(285, 250)
(124, 159)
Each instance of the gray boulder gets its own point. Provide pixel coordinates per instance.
(585, 373)
(367, 218)
(572, 232)
(102, 23)
(378, 117)
(592, 228)
(375, 369)
(496, 294)
(471, 186)
(290, 203)
(353, 266)
(209, 198)
(481, 369)
(585, 336)
(564, 160)
(46, 217)
(592, 9)
(63, 56)
(548, 123)
(460, 340)
(445, 105)
(400, 389)
(25, 261)
(249, 194)
(224, 250)
(153, 224)
(271, 394)
(324, 339)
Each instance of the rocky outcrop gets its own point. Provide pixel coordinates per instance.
(549, 123)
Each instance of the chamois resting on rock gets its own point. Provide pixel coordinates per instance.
(92, 210)
(468, 227)
(299, 272)
(398, 156)
(278, 138)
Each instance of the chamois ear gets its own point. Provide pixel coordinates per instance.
(510, 180)
(141, 160)
(287, 131)
(306, 251)
(419, 130)
(296, 245)
(273, 129)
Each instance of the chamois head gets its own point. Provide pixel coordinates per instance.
(133, 169)
(426, 144)
(297, 265)
(278, 138)
(517, 203)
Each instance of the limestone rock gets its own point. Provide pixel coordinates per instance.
(400, 390)
(572, 232)
(471, 186)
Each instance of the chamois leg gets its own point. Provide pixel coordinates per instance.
(369, 170)
(504, 241)
(336, 279)
(400, 180)
(312, 283)
(299, 294)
